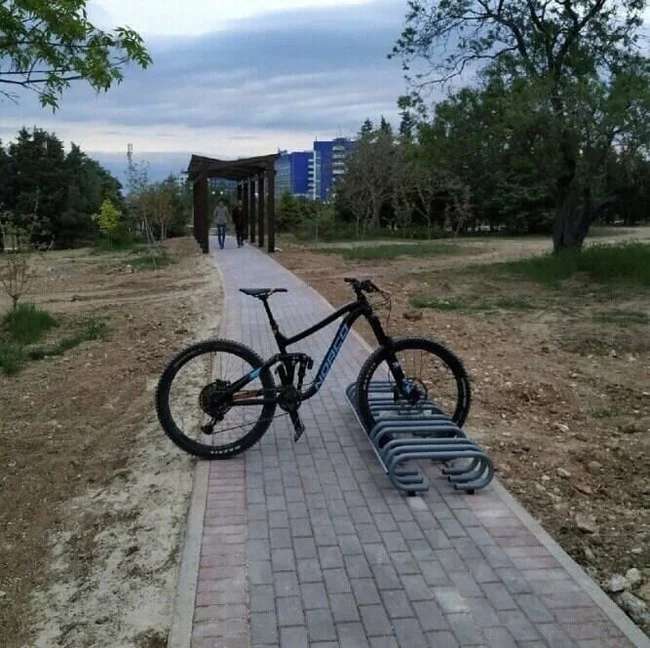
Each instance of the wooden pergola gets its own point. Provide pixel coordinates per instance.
(255, 178)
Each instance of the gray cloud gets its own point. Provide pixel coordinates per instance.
(310, 69)
(310, 72)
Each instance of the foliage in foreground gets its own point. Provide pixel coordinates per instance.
(47, 44)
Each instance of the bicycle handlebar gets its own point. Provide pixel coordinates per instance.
(365, 285)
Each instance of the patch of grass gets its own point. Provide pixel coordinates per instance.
(456, 304)
(13, 355)
(89, 329)
(391, 251)
(27, 324)
(599, 232)
(104, 246)
(439, 304)
(514, 303)
(621, 316)
(622, 263)
(604, 412)
(151, 258)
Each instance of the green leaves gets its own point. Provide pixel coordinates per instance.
(47, 44)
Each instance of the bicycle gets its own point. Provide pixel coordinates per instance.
(251, 389)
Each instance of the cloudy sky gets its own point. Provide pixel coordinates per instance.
(231, 79)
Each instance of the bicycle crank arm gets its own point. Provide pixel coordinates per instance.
(298, 426)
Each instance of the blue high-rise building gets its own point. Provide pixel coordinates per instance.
(313, 174)
(292, 173)
(326, 166)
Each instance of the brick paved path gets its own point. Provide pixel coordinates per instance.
(309, 545)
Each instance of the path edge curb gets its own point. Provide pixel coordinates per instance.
(180, 634)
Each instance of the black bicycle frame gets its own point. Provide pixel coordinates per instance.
(352, 312)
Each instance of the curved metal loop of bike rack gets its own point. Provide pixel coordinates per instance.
(402, 436)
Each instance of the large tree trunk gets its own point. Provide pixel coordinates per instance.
(569, 230)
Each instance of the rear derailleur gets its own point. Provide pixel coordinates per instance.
(289, 395)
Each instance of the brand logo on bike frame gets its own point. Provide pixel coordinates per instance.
(331, 355)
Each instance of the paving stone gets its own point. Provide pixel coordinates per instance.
(375, 620)
(365, 591)
(314, 596)
(343, 608)
(357, 567)
(518, 625)
(499, 637)
(309, 570)
(350, 545)
(262, 598)
(283, 560)
(336, 581)
(330, 557)
(430, 616)
(465, 629)
(280, 538)
(443, 639)
(352, 635)
(286, 584)
(320, 625)
(294, 638)
(409, 633)
(290, 611)
(263, 627)
(397, 604)
(450, 600)
(416, 588)
(304, 548)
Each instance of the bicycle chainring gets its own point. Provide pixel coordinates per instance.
(289, 398)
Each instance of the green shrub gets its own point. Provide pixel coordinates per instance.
(27, 324)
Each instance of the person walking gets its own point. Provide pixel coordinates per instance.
(220, 221)
(238, 220)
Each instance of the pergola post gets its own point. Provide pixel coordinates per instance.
(270, 205)
(245, 195)
(260, 207)
(253, 211)
(201, 220)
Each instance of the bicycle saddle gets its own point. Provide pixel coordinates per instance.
(262, 293)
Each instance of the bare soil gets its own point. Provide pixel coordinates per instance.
(561, 386)
(93, 496)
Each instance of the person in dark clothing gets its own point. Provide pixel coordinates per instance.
(238, 222)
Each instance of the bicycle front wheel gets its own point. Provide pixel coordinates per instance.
(192, 403)
(437, 375)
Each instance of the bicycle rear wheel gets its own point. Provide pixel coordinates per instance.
(437, 375)
(191, 406)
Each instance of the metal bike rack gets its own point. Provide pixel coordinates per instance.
(402, 436)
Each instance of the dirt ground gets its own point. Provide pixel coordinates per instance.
(93, 496)
(560, 384)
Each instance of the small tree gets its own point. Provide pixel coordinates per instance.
(111, 225)
(17, 257)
